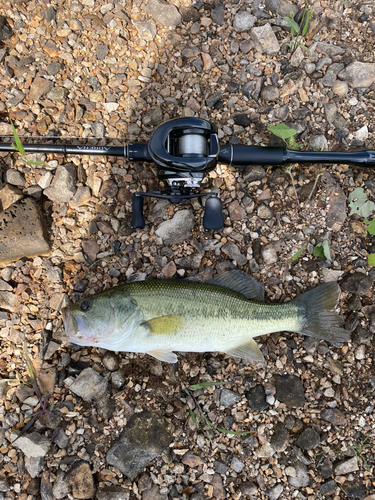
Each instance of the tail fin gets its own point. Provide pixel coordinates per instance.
(315, 315)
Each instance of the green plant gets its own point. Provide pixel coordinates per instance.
(45, 408)
(195, 417)
(322, 250)
(285, 133)
(314, 186)
(370, 226)
(359, 203)
(18, 146)
(295, 30)
(359, 450)
(296, 255)
(288, 170)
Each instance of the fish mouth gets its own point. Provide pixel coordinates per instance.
(64, 334)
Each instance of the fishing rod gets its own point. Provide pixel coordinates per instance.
(185, 150)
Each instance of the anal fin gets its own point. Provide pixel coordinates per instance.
(249, 351)
(163, 355)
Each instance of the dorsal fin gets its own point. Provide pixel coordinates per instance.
(240, 282)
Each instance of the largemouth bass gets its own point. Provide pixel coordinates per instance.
(161, 316)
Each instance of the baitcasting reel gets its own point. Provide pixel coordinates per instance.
(185, 150)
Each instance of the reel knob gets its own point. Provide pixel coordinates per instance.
(137, 221)
(213, 216)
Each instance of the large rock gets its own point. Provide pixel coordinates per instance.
(33, 445)
(63, 185)
(359, 74)
(89, 385)
(143, 439)
(163, 13)
(289, 390)
(177, 229)
(265, 39)
(81, 480)
(23, 233)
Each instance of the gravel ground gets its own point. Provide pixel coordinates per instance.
(299, 426)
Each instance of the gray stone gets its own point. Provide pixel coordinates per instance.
(113, 493)
(58, 94)
(330, 111)
(233, 252)
(146, 29)
(229, 398)
(308, 440)
(89, 385)
(318, 143)
(302, 478)
(143, 439)
(358, 74)
(8, 196)
(218, 14)
(213, 99)
(8, 301)
(243, 21)
(61, 487)
(330, 77)
(289, 390)
(63, 185)
(346, 467)
(81, 479)
(80, 197)
(23, 233)
(264, 212)
(257, 398)
(34, 465)
(4, 485)
(254, 173)
(33, 445)
(236, 212)
(153, 117)
(39, 87)
(329, 50)
(101, 51)
(46, 486)
(357, 283)
(177, 229)
(281, 8)
(270, 93)
(337, 210)
(269, 254)
(265, 39)
(53, 68)
(190, 262)
(165, 14)
(5, 29)
(328, 488)
(14, 177)
(280, 437)
(237, 465)
(60, 438)
(275, 492)
(248, 489)
(49, 14)
(110, 361)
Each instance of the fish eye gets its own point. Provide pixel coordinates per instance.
(85, 306)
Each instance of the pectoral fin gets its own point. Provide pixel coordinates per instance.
(164, 355)
(250, 351)
(165, 325)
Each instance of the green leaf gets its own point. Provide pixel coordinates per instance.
(359, 204)
(292, 24)
(295, 256)
(322, 250)
(18, 147)
(195, 387)
(281, 130)
(371, 259)
(370, 225)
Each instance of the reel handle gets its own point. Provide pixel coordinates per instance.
(213, 216)
(137, 221)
